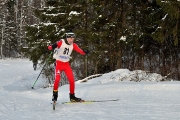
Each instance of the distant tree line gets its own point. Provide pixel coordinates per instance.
(130, 34)
(14, 16)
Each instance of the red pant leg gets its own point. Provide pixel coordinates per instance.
(69, 73)
(57, 75)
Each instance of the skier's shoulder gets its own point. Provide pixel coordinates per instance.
(59, 42)
(75, 45)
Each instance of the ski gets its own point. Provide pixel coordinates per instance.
(83, 102)
(90, 101)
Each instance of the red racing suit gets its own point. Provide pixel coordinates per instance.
(62, 56)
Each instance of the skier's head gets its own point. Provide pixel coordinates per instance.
(70, 36)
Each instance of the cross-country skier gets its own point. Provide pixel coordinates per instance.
(35, 62)
(64, 48)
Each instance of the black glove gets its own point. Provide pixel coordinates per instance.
(86, 51)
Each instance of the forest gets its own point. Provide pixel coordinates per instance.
(120, 34)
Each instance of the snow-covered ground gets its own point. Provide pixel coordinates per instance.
(145, 100)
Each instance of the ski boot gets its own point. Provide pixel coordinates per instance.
(74, 99)
(55, 95)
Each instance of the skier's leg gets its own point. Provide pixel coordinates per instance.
(69, 73)
(56, 82)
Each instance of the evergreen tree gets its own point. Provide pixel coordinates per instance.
(56, 19)
(105, 29)
(169, 24)
(168, 33)
(144, 16)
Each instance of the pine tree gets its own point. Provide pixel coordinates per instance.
(103, 26)
(168, 33)
(169, 24)
(55, 20)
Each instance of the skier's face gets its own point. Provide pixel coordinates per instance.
(70, 40)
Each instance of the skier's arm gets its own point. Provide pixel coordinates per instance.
(55, 45)
(77, 49)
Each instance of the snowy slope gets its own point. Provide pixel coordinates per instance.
(137, 100)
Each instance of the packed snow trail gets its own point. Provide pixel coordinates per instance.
(137, 100)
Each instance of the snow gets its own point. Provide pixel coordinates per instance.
(74, 13)
(145, 100)
(123, 38)
(164, 17)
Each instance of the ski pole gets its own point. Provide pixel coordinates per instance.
(41, 70)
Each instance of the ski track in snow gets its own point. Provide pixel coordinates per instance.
(137, 100)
